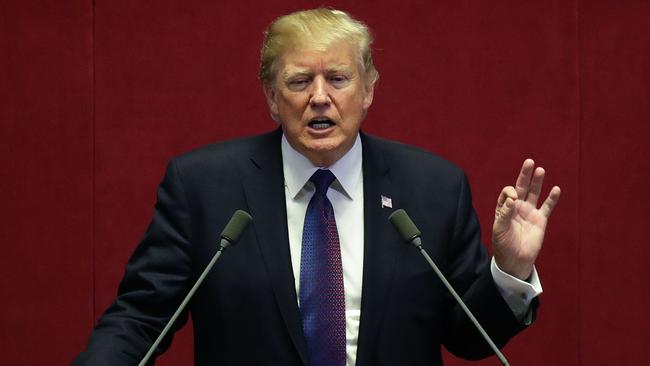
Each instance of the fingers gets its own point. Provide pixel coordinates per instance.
(523, 180)
(527, 190)
(506, 192)
(529, 182)
(505, 207)
(551, 201)
(535, 188)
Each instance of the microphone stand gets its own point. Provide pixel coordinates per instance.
(230, 235)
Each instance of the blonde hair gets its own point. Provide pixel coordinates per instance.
(315, 29)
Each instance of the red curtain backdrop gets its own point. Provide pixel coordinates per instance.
(96, 96)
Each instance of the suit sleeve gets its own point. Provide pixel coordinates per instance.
(155, 281)
(470, 274)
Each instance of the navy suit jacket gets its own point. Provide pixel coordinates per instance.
(246, 311)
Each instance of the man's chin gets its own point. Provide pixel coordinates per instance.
(324, 153)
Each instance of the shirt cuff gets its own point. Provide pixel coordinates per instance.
(518, 294)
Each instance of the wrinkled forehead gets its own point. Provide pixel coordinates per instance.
(341, 56)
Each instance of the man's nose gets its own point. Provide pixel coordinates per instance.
(320, 95)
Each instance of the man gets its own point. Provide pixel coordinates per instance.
(334, 286)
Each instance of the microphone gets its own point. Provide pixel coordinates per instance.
(229, 236)
(234, 228)
(411, 234)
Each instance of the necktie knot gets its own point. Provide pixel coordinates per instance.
(322, 180)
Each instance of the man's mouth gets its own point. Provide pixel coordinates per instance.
(321, 123)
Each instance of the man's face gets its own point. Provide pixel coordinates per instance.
(320, 98)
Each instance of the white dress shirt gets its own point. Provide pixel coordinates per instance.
(346, 196)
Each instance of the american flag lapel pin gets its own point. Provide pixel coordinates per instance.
(386, 202)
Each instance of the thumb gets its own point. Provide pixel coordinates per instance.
(503, 216)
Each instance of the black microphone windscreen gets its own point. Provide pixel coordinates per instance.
(236, 226)
(402, 222)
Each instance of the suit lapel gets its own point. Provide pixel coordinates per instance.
(264, 187)
(382, 247)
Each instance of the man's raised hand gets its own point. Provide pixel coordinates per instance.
(519, 225)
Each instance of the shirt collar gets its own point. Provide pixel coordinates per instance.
(298, 169)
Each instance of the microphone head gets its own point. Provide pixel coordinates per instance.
(406, 228)
(236, 226)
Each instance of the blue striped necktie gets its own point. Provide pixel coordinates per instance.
(322, 299)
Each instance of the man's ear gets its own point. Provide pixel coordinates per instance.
(271, 95)
(369, 95)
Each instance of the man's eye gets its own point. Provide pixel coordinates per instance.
(338, 80)
(298, 84)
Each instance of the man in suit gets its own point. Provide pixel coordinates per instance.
(263, 302)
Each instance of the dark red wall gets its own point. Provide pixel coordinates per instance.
(96, 96)
(46, 180)
(614, 41)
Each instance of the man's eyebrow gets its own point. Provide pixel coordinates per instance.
(294, 73)
(338, 69)
(333, 69)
